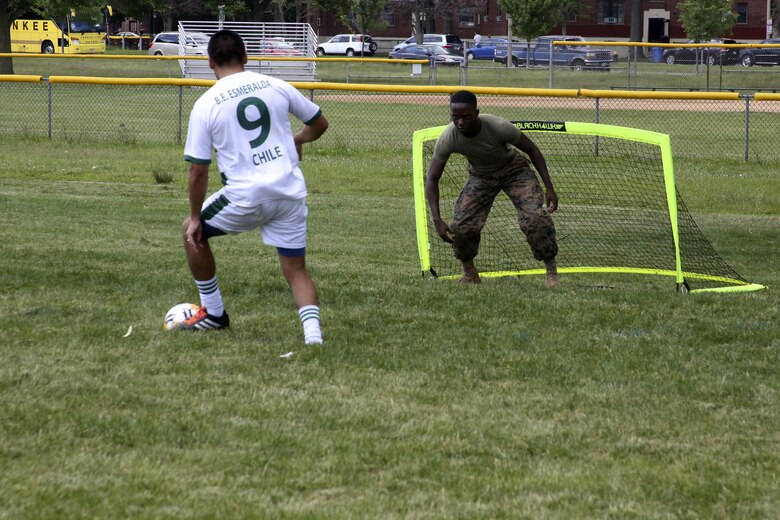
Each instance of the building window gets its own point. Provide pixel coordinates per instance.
(742, 12)
(388, 17)
(572, 17)
(466, 18)
(610, 11)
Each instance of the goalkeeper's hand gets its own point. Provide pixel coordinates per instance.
(443, 230)
(552, 200)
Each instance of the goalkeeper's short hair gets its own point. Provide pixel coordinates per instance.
(464, 96)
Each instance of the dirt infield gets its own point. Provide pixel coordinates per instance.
(667, 105)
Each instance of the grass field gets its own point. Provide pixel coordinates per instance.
(611, 396)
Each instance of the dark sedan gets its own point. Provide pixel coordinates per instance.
(761, 55)
(427, 52)
(708, 55)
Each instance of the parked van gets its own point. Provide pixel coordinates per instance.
(167, 44)
(46, 37)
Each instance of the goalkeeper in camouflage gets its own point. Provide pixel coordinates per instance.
(491, 144)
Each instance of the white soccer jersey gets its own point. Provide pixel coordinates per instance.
(244, 116)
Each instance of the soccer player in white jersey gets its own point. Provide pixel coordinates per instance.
(244, 117)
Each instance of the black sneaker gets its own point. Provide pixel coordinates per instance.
(202, 320)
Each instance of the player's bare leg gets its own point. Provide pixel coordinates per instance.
(199, 257)
(211, 315)
(304, 295)
(552, 280)
(470, 274)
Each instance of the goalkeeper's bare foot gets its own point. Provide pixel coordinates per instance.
(470, 276)
(470, 279)
(552, 280)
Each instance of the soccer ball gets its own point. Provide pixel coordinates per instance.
(179, 313)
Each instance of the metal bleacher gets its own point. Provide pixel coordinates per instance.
(300, 35)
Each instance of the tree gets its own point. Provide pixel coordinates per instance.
(531, 19)
(234, 9)
(636, 21)
(423, 13)
(703, 20)
(419, 12)
(568, 8)
(57, 9)
(363, 16)
(6, 64)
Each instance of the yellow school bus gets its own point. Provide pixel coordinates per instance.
(48, 37)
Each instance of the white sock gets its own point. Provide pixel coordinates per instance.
(211, 297)
(310, 318)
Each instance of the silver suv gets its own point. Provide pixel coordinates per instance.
(167, 44)
(450, 42)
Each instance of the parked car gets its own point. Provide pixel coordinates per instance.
(487, 48)
(761, 55)
(729, 55)
(126, 34)
(273, 47)
(167, 44)
(708, 55)
(449, 42)
(348, 45)
(437, 53)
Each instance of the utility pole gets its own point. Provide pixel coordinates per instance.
(509, 40)
(768, 19)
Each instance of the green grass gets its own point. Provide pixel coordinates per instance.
(612, 396)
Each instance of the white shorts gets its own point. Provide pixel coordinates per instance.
(282, 222)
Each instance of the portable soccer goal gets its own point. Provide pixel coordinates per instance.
(620, 211)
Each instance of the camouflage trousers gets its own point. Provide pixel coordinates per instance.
(518, 180)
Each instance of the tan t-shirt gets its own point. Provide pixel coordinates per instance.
(488, 151)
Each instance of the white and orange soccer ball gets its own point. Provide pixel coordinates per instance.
(179, 313)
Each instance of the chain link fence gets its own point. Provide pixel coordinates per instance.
(133, 111)
(634, 66)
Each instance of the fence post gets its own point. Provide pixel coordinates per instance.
(178, 137)
(48, 88)
(550, 65)
(597, 121)
(463, 73)
(747, 126)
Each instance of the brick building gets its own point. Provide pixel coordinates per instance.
(607, 19)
